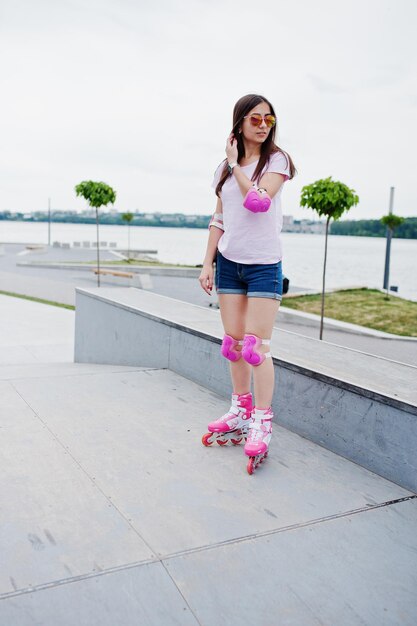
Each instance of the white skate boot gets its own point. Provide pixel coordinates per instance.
(259, 436)
(233, 425)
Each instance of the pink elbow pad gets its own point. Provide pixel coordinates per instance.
(256, 201)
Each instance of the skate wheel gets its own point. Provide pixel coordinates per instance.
(221, 442)
(251, 465)
(205, 440)
(236, 442)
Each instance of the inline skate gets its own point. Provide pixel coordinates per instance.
(233, 425)
(258, 438)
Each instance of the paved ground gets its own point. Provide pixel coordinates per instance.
(114, 513)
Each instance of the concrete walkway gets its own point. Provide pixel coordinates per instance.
(113, 513)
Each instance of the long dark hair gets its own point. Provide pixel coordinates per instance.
(268, 147)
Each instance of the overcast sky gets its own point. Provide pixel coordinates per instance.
(140, 95)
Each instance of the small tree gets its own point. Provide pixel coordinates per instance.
(97, 195)
(128, 217)
(392, 222)
(329, 198)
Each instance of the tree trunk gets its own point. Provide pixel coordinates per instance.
(324, 279)
(98, 251)
(390, 233)
(128, 242)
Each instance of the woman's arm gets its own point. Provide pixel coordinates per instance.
(272, 183)
(215, 232)
(242, 180)
(231, 154)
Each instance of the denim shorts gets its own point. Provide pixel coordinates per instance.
(254, 281)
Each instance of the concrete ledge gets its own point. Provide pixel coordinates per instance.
(359, 406)
(184, 272)
(135, 280)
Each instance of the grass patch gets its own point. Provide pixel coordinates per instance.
(40, 300)
(365, 307)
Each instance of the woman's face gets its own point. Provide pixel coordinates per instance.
(256, 134)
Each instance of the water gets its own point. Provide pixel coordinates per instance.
(352, 261)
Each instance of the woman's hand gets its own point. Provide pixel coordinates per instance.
(231, 149)
(206, 278)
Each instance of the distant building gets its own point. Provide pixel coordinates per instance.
(290, 225)
(287, 220)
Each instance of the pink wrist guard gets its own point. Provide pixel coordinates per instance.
(217, 220)
(257, 201)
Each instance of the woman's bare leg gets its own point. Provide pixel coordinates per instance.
(260, 318)
(233, 310)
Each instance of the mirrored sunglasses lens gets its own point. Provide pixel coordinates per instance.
(256, 119)
(270, 121)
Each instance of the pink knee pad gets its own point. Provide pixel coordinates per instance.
(228, 349)
(250, 350)
(257, 201)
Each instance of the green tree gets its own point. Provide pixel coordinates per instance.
(128, 217)
(97, 195)
(329, 198)
(392, 222)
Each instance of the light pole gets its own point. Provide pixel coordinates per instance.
(388, 247)
(49, 221)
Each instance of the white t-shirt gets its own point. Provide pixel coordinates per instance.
(251, 238)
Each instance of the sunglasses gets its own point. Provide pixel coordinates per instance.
(256, 119)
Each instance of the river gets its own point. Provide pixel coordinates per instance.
(352, 261)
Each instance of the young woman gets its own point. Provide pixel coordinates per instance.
(244, 237)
